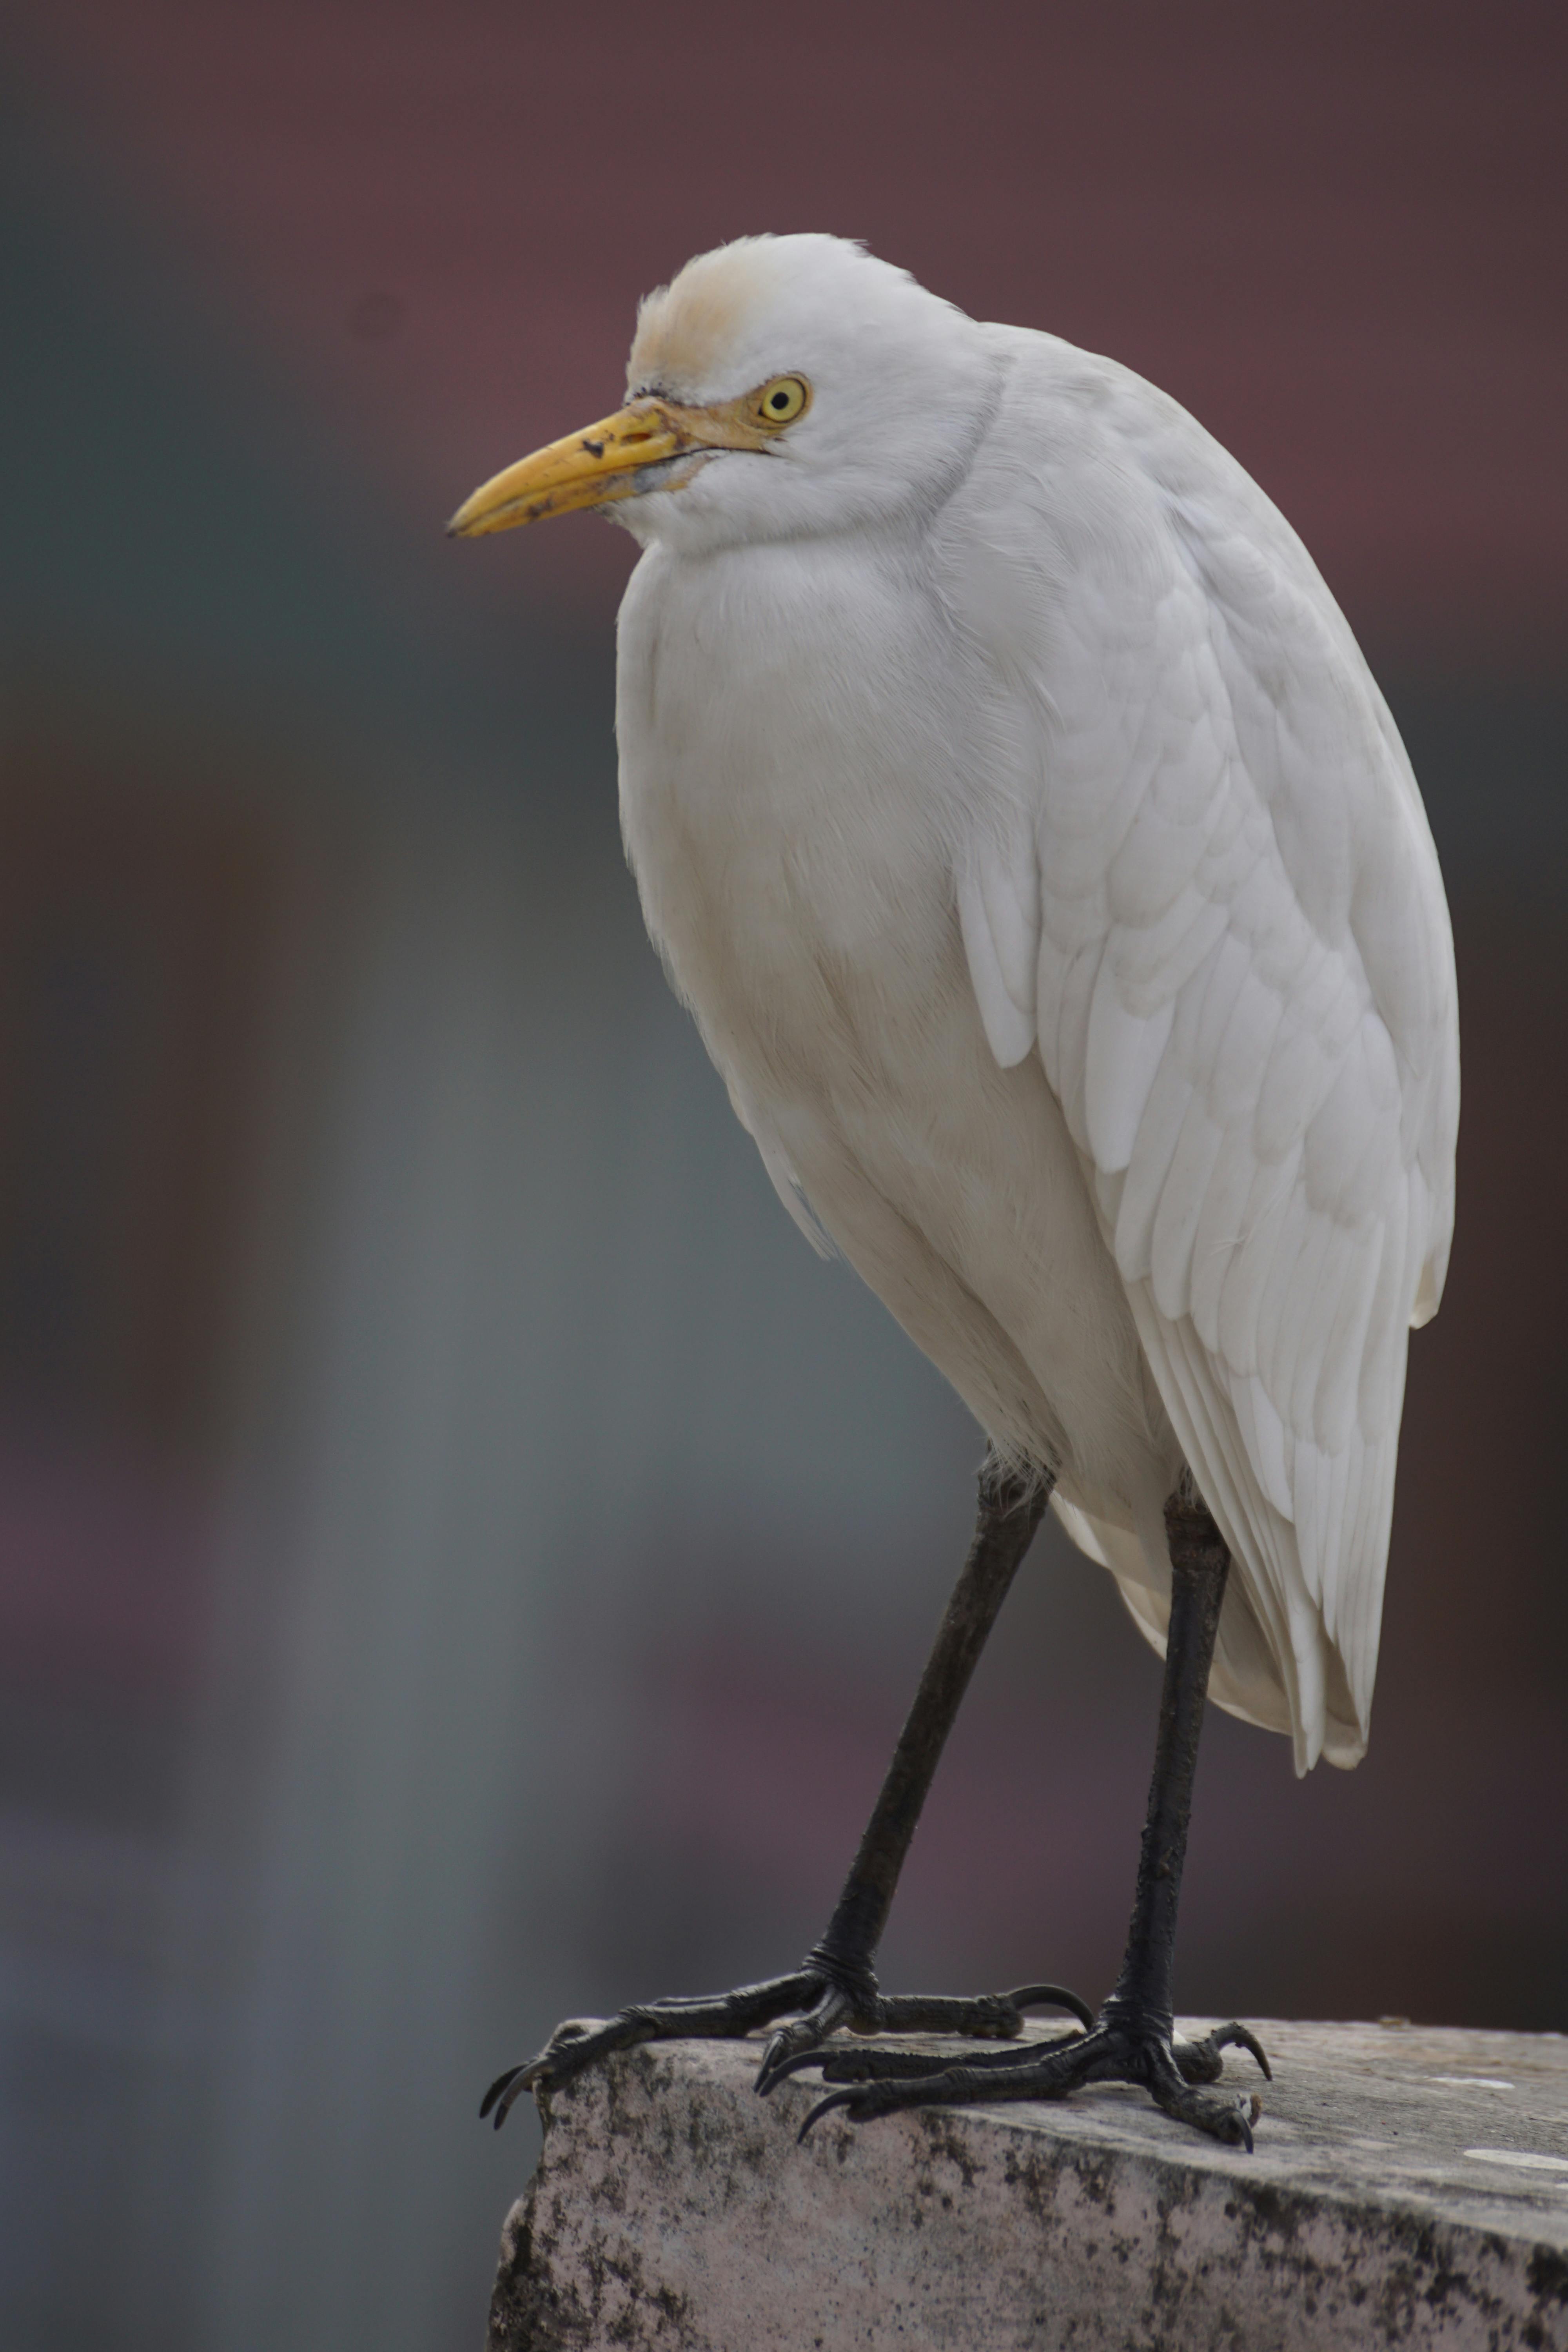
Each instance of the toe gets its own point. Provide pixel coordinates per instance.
(798, 2041)
(502, 2085)
(1051, 1996)
(850, 2101)
(1241, 2037)
(1200, 2062)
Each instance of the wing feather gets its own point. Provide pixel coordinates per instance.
(1225, 897)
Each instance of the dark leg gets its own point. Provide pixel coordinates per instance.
(1133, 2041)
(1010, 1510)
(836, 1984)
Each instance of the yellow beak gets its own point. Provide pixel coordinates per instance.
(604, 462)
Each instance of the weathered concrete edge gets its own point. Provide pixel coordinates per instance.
(1316, 2266)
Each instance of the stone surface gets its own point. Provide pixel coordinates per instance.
(1409, 2188)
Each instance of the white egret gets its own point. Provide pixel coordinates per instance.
(1014, 810)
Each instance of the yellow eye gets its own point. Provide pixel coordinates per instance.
(780, 402)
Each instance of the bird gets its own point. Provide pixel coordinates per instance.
(1015, 810)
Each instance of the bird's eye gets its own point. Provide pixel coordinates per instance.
(780, 402)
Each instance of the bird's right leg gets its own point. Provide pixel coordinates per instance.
(836, 1984)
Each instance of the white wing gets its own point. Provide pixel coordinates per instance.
(1206, 889)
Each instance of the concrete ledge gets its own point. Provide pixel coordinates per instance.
(1410, 2188)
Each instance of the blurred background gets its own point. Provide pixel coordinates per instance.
(462, 1559)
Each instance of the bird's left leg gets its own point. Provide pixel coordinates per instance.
(1134, 2038)
(836, 1984)
(1010, 1507)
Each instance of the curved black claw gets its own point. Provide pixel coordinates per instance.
(577, 2044)
(1230, 2120)
(886, 2082)
(1200, 2062)
(799, 2043)
(982, 2017)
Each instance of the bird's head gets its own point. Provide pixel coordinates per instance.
(778, 388)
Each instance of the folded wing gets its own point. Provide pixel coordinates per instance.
(1197, 878)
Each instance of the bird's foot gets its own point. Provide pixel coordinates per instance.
(823, 1997)
(575, 2045)
(1119, 2047)
(981, 2017)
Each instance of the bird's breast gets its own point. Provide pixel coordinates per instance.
(785, 767)
(792, 788)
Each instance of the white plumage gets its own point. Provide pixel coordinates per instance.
(1012, 807)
